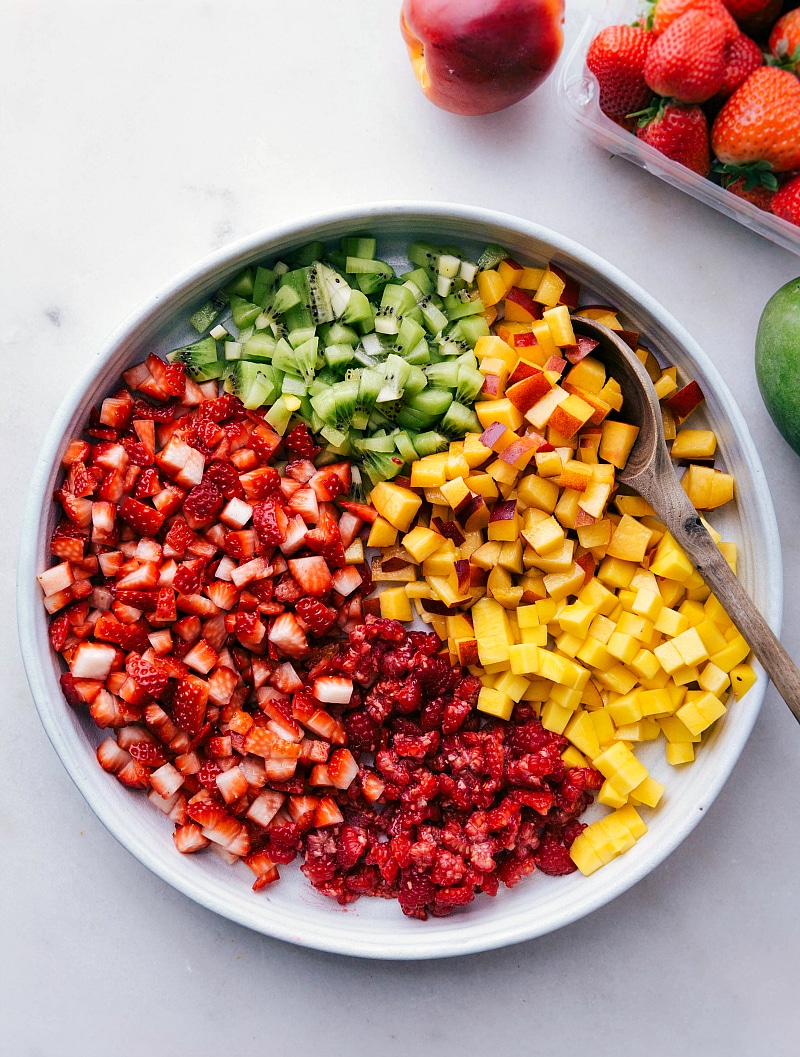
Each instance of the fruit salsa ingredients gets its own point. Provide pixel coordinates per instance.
(777, 360)
(556, 587)
(475, 57)
(721, 94)
(211, 601)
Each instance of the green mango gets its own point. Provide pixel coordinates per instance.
(777, 360)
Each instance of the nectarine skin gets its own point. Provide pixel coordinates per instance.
(479, 56)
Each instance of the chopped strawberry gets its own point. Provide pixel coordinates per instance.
(189, 703)
(312, 574)
(140, 517)
(326, 540)
(286, 634)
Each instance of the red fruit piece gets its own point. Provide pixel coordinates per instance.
(142, 518)
(286, 634)
(189, 704)
(617, 56)
(742, 56)
(786, 202)
(300, 441)
(224, 476)
(326, 540)
(668, 11)
(203, 501)
(269, 521)
(687, 62)
(679, 133)
(147, 676)
(784, 40)
(761, 122)
(744, 10)
(317, 617)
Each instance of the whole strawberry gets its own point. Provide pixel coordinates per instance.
(742, 56)
(680, 133)
(743, 10)
(616, 56)
(754, 192)
(761, 122)
(786, 202)
(687, 62)
(755, 17)
(784, 40)
(666, 12)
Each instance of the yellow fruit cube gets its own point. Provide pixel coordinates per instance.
(694, 444)
(630, 540)
(616, 572)
(603, 725)
(647, 603)
(513, 685)
(625, 709)
(742, 678)
(395, 604)
(550, 288)
(618, 763)
(617, 440)
(422, 542)
(495, 703)
(733, 654)
(656, 702)
(545, 536)
(679, 752)
(610, 796)
(573, 758)
(492, 632)
(623, 647)
(398, 505)
(582, 732)
(555, 717)
(701, 709)
(670, 560)
(649, 792)
(595, 653)
(584, 855)
(381, 533)
(430, 471)
(502, 410)
(562, 584)
(524, 658)
(690, 646)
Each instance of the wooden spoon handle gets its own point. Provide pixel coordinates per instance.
(685, 525)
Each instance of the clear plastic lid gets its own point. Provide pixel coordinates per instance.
(578, 92)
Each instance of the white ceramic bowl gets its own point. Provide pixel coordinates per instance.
(291, 910)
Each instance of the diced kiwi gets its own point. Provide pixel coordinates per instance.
(201, 360)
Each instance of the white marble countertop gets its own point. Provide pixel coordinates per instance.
(138, 137)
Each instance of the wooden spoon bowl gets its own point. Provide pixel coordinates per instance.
(650, 472)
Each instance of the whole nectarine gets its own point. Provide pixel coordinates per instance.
(480, 56)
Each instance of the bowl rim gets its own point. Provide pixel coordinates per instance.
(444, 937)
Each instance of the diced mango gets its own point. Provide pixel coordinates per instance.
(398, 505)
(381, 533)
(395, 604)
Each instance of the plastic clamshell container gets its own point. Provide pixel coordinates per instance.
(578, 93)
(291, 910)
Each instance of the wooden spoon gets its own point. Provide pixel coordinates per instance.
(650, 472)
